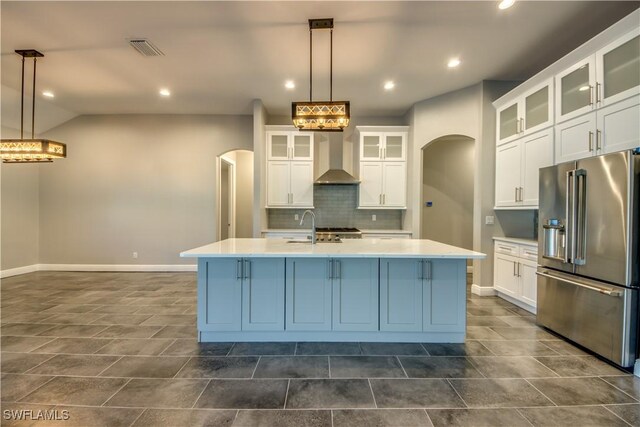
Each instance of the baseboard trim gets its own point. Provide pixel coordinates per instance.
(522, 305)
(98, 267)
(483, 291)
(18, 271)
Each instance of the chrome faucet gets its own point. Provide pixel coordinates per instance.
(313, 225)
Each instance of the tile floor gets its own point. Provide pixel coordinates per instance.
(119, 349)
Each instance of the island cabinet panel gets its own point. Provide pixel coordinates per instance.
(444, 295)
(355, 294)
(263, 294)
(308, 294)
(401, 295)
(219, 294)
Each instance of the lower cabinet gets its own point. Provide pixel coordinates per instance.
(241, 294)
(515, 268)
(422, 295)
(308, 300)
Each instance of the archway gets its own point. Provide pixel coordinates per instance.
(234, 194)
(448, 166)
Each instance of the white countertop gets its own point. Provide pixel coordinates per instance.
(517, 240)
(308, 231)
(370, 248)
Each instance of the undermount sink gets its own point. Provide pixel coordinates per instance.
(319, 241)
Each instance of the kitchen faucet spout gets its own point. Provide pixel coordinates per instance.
(313, 225)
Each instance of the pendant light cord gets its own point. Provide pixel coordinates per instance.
(22, 103)
(331, 68)
(310, 64)
(33, 100)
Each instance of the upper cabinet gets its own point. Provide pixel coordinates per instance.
(526, 114)
(610, 75)
(289, 169)
(383, 167)
(377, 146)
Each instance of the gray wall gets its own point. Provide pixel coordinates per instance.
(447, 181)
(244, 191)
(141, 183)
(20, 231)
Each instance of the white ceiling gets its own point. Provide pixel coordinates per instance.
(222, 55)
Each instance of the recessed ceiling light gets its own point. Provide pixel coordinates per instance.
(289, 84)
(389, 85)
(583, 88)
(165, 92)
(453, 63)
(48, 94)
(506, 4)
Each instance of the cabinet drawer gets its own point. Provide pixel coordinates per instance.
(529, 252)
(507, 248)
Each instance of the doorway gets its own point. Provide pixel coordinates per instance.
(447, 190)
(234, 201)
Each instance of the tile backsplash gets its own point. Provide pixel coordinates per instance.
(336, 206)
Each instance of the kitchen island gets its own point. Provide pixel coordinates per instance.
(386, 290)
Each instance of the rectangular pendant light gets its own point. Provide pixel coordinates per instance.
(321, 116)
(31, 150)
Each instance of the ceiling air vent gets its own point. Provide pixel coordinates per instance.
(145, 48)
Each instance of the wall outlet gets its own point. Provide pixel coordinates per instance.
(373, 217)
(296, 217)
(135, 255)
(489, 220)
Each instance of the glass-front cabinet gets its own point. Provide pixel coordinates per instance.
(383, 146)
(371, 147)
(526, 114)
(289, 145)
(576, 89)
(618, 69)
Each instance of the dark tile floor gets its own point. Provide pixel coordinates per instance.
(119, 349)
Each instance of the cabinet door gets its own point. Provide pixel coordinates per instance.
(575, 90)
(278, 176)
(619, 126)
(278, 147)
(508, 171)
(308, 294)
(538, 107)
(576, 139)
(302, 184)
(394, 184)
(370, 146)
(505, 277)
(401, 295)
(529, 282)
(619, 69)
(508, 123)
(370, 187)
(537, 152)
(395, 144)
(355, 294)
(302, 146)
(219, 294)
(444, 296)
(263, 294)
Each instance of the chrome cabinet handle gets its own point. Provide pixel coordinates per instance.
(239, 269)
(516, 195)
(420, 270)
(519, 270)
(247, 269)
(380, 199)
(514, 268)
(522, 194)
(598, 139)
(591, 91)
(330, 269)
(338, 267)
(384, 199)
(598, 93)
(521, 125)
(590, 141)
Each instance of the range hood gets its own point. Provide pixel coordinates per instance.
(331, 154)
(336, 176)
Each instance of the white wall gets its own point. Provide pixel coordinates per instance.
(142, 183)
(20, 230)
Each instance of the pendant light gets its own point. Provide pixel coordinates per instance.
(321, 116)
(30, 150)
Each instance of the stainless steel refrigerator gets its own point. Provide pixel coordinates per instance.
(588, 253)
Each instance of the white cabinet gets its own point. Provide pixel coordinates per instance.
(610, 75)
(383, 167)
(289, 169)
(383, 185)
(526, 114)
(609, 129)
(514, 272)
(517, 167)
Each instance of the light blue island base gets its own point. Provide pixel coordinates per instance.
(331, 298)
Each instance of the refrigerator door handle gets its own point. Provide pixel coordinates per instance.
(580, 192)
(610, 292)
(571, 218)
